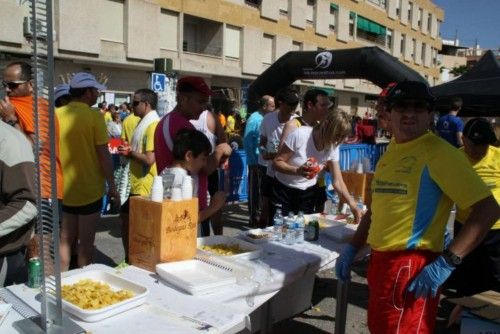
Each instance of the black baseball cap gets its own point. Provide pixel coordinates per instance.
(480, 131)
(410, 90)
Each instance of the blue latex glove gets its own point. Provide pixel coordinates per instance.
(344, 262)
(447, 239)
(431, 278)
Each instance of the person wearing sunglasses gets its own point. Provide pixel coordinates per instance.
(416, 182)
(16, 109)
(87, 166)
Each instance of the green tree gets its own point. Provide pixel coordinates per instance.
(459, 70)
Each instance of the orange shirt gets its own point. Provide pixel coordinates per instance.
(24, 111)
(222, 120)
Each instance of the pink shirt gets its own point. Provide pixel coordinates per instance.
(164, 156)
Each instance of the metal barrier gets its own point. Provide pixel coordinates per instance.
(352, 153)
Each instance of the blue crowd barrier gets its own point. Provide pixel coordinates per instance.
(238, 177)
(352, 153)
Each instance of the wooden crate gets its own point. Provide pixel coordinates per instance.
(359, 184)
(161, 232)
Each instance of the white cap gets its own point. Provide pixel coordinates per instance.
(85, 80)
(61, 90)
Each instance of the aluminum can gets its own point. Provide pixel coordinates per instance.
(34, 272)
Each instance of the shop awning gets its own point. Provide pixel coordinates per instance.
(329, 91)
(370, 26)
(334, 6)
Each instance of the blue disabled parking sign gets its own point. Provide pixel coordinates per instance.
(158, 82)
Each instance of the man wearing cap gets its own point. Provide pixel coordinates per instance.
(271, 129)
(480, 269)
(86, 166)
(61, 95)
(192, 98)
(450, 126)
(17, 110)
(414, 187)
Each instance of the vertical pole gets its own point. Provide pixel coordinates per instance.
(341, 307)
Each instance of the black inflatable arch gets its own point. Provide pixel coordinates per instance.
(371, 63)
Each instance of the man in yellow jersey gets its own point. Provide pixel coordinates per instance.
(480, 270)
(140, 152)
(86, 165)
(414, 187)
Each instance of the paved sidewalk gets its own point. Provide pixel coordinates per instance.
(320, 318)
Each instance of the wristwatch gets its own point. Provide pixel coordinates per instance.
(12, 122)
(451, 258)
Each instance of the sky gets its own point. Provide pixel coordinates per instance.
(473, 19)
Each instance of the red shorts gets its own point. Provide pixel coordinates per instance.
(391, 309)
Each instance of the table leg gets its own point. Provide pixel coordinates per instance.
(341, 306)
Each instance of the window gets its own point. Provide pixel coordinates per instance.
(310, 11)
(296, 46)
(112, 21)
(420, 15)
(388, 39)
(253, 2)
(410, 11)
(379, 3)
(414, 49)
(267, 49)
(403, 44)
(284, 6)
(232, 42)
(422, 53)
(398, 8)
(429, 22)
(352, 19)
(168, 29)
(333, 15)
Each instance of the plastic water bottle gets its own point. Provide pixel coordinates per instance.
(278, 225)
(300, 223)
(360, 205)
(334, 208)
(289, 237)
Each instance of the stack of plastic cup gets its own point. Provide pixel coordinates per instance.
(157, 189)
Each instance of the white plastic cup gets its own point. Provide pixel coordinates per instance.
(187, 187)
(176, 194)
(157, 189)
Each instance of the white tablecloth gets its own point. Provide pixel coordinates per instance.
(228, 310)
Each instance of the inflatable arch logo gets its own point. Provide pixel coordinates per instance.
(323, 59)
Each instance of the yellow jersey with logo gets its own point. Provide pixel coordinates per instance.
(413, 189)
(488, 169)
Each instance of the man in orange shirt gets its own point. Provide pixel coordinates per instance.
(16, 109)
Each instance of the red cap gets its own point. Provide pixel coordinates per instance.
(387, 89)
(190, 84)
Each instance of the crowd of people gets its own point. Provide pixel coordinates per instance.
(416, 183)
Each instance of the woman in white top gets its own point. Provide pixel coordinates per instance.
(296, 181)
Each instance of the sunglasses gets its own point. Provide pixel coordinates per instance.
(418, 106)
(136, 103)
(13, 84)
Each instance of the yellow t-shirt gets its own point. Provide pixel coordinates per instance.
(81, 129)
(488, 168)
(413, 189)
(107, 117)
(128, 126)
(141, 176)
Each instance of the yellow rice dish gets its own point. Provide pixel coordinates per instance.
(93, 295)
(223, 249)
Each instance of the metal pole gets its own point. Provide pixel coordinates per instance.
(341, 307)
